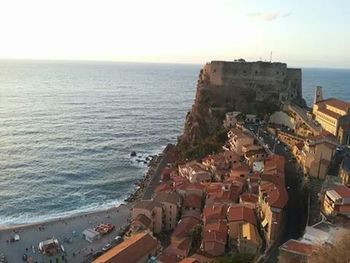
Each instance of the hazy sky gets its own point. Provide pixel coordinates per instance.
(301, 33)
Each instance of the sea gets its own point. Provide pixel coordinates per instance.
(67, 129)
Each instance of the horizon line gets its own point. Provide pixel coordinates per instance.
(153, 62)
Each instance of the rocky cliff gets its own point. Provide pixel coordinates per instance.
(249, 87)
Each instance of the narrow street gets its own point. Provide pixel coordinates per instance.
(296, 211)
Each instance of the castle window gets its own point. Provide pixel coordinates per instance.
(244, 71)
(277, 72)
(214, 70)
(256, 72)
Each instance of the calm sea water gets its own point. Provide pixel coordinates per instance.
(67, 129)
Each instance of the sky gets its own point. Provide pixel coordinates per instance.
(308, 33)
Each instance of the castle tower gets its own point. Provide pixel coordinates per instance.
(318, 94)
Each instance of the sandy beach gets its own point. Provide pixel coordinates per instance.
(68, 231)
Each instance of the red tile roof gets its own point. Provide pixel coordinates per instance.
(131, 250)
(342, 190)
(214, 236)
(219, 226)
(214, 212)
(241, 213)
(249, 198)
(163, 187)
(297, 247)
(276, 195)
(192, 201)
(336, 103)
(184, 226)
(190, 186)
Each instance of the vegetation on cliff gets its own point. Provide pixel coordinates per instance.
(209, 145)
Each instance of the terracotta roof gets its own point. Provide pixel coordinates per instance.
(191, 186)
(192, 201)
(249, 198)
(214, 212)
(131, 250)
(147, 204)
(180, 248)
(214, 236)
(218, 226)
(336, 103)
(172, 198)
(329, 113)
(342, 191)
(192, 213)
(163, 187)
(276, 195)
(241, 213)
(275, 162)
(297, 247)
(184, 226)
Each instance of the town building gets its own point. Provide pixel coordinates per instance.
(214, 213)
(336, 201)
(273, 198)
(195, 172)
(139, 248)
(238, 139)
(231, 119)
(332, 114)
(316, 155)
(249, 240)
(344, 171)
(236, 217)
(171, 204)
(192, 202)
(295, 251)
(140, 223)
(181, 241)
(152, 210)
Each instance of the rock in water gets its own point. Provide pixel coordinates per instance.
(133, 154)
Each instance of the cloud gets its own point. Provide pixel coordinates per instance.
(286, 14)
(267, 17)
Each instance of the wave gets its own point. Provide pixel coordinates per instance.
(30, 218)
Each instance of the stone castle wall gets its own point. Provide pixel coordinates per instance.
(264, 77)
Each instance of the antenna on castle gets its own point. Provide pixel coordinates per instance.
(270, 56)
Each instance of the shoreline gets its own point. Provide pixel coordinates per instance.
(68, 230)
(136, 195)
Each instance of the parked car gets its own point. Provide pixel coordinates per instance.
(25, 257)
(118, 239)
(106, 247)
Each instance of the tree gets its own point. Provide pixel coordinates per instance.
(196, 238)
(238, 258)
